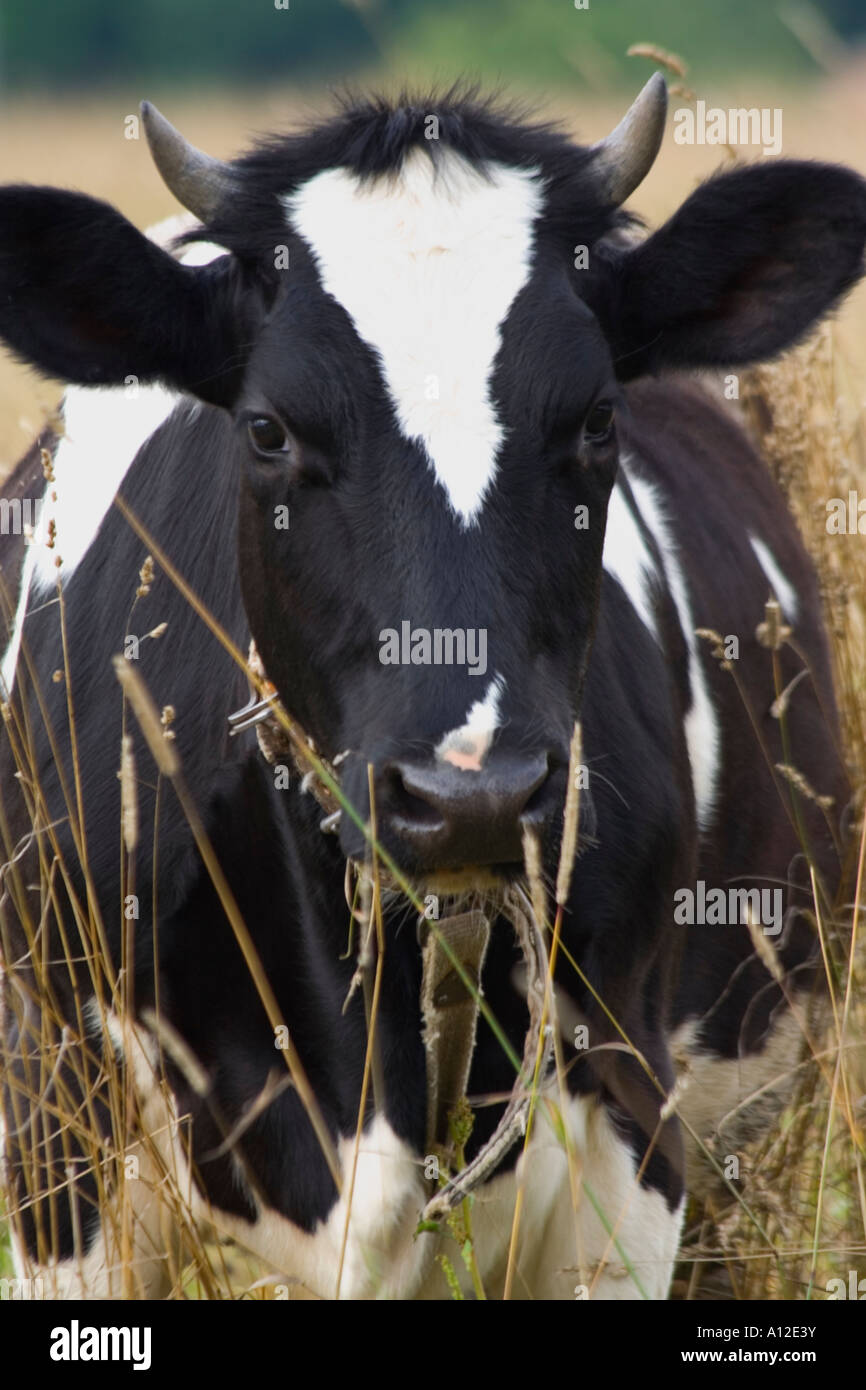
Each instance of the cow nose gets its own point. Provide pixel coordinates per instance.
(446, 817)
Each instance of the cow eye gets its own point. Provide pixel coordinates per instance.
(598, 425)
(267, 436)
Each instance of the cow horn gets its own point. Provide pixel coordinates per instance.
(197, 181)
(625, 157)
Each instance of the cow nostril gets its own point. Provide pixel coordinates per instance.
(536, 804)
(401, 804)
(541, 798)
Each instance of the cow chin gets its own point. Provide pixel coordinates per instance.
(454, 889)
(473, 880)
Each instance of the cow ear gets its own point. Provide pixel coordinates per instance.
(742, 271)
(87, 298)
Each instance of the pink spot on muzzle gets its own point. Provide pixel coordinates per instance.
(468, 755)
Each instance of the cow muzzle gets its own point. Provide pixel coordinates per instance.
(432, 816)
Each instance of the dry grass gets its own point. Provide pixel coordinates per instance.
(804, 1183)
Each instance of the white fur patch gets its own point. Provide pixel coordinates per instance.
(703, 734)
(468, 746)
(781, 587)
(381, 1260)
(13, 649)
(626, 557)
(427, 263)
(563, 1252)
(104, 428)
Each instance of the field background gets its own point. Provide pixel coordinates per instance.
(223, 70)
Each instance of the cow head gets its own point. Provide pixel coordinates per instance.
(419, 334)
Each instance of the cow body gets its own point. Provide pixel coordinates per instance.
(686, 531)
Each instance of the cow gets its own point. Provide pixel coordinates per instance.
(403, 435)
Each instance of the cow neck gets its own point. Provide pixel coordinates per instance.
(453, 949)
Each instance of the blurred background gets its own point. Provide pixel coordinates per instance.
(224, 70)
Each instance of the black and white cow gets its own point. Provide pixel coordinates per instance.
(386, 324)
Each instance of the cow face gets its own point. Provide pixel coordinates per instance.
(421, 346)
(428, 439)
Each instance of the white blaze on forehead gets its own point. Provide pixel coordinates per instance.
(427, 262)
(468, 746)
